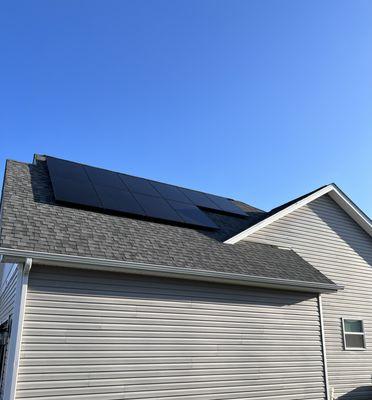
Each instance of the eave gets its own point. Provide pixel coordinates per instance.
(62, 260)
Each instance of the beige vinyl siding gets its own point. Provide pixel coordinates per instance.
(7, 303)
(95, 335)
(324, 235)
(8, 294)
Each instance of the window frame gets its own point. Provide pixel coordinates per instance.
(362, 333)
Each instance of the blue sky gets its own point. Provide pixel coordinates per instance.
(257, 100)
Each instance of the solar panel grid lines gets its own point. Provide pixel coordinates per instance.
(157, 207)
(80, 184)
(139, 185)
(71, 183)
(192, 214)
(170, 192)
(225, 204)
(75, 192)
(67, 169)
(104, 177)
(174, 206)
(119, 200)
(200, 199)
(177, 199)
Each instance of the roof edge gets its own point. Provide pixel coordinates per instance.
(62, 260)
(334, 192)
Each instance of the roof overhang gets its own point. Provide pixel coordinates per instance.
(331, 190)
(63, 260)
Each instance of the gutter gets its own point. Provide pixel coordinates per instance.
(64, 260)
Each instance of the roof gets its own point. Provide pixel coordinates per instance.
(332, 190)
(32, 220)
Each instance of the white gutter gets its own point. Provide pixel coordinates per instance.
(62, 260)
(16, 331)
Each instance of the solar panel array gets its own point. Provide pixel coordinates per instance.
(83, 185)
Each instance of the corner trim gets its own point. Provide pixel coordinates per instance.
(16, 331)
(63, 260)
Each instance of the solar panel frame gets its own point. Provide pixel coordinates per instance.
(117, 200)
(226, 204)
(103, 177)
(139, 185)
(75, 192)
(66, 169)
(200, 199)
(157, 207)
(84, 185)
(170, 192)
(192, 215)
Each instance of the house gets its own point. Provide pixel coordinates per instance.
(116, 287)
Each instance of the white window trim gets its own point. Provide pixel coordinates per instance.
(344, 333)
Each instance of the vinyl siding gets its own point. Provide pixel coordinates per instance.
(8, 294)
(94, 335)
(7, 303)
(324, 235)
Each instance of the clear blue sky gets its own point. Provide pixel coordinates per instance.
(261, 100)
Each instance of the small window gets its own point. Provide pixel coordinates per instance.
(354, 336)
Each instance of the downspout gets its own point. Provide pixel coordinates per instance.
(324, 353)
(16, 331)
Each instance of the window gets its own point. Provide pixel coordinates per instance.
(354, 336)
(4, 334)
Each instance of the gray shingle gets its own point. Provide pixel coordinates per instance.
(33, 221)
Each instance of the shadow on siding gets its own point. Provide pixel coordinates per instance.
(98, 284)
(360, 393)
(351, 233)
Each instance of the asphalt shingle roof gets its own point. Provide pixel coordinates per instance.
(31, 220)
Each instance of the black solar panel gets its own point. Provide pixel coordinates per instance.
(170, 192)
(103, 177)
(139, 185)
(200, 199)
(95, 187)
(226, 204)
(76, 192)
(66, 169)
(191, 214)
(118, 200)
(157, 207)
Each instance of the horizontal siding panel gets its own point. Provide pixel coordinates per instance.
(157, 383)
(161, 361)
(29, 372)
(213, 373)
(220, 389)
(161, 313)
(153, 335)
(90, 335)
